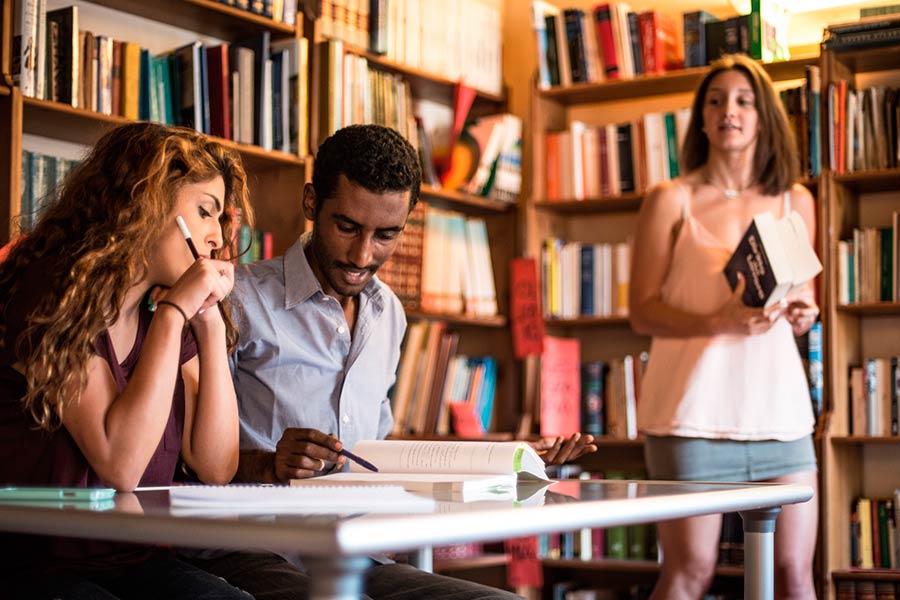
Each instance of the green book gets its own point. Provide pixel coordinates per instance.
(671, 144)
(616, 538)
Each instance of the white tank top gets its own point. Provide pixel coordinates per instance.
(724, 386)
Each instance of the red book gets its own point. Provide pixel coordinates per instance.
(525, 308)
(560, 387)
(116, 78)
(219, 96)
(605, 40)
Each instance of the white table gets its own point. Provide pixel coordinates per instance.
(336, 547)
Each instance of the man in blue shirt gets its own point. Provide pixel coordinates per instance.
(320, 344)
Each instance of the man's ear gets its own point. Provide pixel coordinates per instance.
(309, 202)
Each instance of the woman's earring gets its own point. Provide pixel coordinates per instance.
(151, 304)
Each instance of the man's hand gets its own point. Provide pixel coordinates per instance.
(301, 452)
(559, 450)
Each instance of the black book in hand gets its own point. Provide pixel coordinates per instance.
(775, 258)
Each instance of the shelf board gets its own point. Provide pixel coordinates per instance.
(865, 439)
(457, 319)
(467, 200)
(672, 82)
(206, 17)
(871, 59)
(606, 441)
(4, 91)
(626, 566)
(871, 308)
(61, 121)
(424, 84)
(475, 562)
(866, 574)
(882, 180)
(588, 322)
(629, 202)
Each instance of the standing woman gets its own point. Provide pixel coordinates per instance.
(724, 397)
(113, 355)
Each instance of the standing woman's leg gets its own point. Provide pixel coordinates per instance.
(690, 550)
(795, 542)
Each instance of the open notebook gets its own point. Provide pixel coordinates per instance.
(458, 471)
(267, 499)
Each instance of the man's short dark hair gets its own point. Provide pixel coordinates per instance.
(372, 156)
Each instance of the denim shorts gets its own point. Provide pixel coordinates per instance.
(699, 459)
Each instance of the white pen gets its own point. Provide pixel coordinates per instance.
(187, 236)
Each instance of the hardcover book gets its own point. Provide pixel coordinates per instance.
(775, 258)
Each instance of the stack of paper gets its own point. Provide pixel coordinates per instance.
(257, 499)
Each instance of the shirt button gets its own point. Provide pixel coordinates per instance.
(346, 418)
(341, 329)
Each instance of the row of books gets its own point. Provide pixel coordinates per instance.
(874, 391)
(41, 175)
(280, 11)
(253, 91)
(460, 41)
(865, 127)
(346, 20)
(608, 160)
(358, 93)
(866, 589)
(486, 159)
(868, 269)
(253, 244)
(439, 391)
(597, 397)
(611, 41)
(873, 532)
(874, 32)
(443, 264)
(585, 280)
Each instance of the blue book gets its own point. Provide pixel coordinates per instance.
(815, 367)
(587, 279)
(695, 37)
(144, 87)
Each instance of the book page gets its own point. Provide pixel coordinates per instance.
(457, 487)
(257, 499)
(397, 456)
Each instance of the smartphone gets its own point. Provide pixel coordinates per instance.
(56, 494)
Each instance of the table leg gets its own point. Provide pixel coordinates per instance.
(759, 553)
(422, 559)
(339, 578)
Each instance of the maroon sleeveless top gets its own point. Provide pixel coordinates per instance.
(31, 456)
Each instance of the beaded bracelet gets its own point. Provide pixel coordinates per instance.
(175, 306)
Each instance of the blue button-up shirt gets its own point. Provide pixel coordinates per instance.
(297, 364)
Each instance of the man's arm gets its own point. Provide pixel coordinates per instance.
(256, 466)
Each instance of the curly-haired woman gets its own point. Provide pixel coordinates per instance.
(104, 384)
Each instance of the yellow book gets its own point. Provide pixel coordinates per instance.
(131, 80)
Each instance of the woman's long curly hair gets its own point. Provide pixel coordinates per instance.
(99, 234)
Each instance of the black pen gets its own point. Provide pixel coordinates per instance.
(360, 461)
(187, 236)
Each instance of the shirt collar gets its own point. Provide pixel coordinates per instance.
(300, 283)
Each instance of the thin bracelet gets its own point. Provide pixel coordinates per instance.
(175, 306)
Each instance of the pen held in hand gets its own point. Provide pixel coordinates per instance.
(187, 236)
(358, 460)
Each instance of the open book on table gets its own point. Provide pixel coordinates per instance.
(460, 471)
(775, 257)
(281, 499)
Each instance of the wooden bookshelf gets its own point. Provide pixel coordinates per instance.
(588, 322)
(623, 203)
(424, 84)
(206, 17)
(459, 200)
(871, 309)
(670, 82)
(853, 466)
(497, 321)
